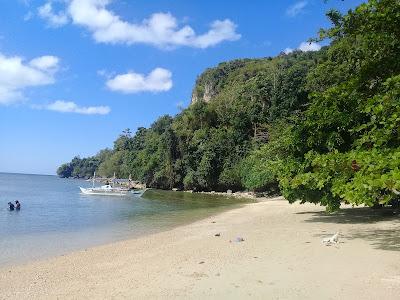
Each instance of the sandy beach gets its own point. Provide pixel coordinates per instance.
(281, 257)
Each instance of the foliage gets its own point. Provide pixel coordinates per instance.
(348, 136)
(323, 127)
(202, 147)
(83, 167)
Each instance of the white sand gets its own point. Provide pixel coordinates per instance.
(281, 258)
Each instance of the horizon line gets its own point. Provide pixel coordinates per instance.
(20, 173)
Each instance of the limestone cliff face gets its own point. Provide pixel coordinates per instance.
(204, 93)
(212, 81)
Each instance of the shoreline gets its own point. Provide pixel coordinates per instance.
(55, 253)
(281, 257)
(238, 194)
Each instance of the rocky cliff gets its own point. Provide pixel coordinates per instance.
(211, 81)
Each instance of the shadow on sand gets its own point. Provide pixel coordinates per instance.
(379, 238)
(356, 215)
(384, 239)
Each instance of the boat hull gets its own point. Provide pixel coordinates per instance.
(104, 192)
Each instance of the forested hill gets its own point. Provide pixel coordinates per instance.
(276, 85)
(202, 147)
(319, 126)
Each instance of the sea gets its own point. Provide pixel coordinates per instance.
(55, 218)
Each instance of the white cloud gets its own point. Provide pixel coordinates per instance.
(71, 107)
(54, 19)
(288, 50)
(159, 80)
(309, 46)
(47, 63)
(296, 8)
(304, 47)
(219, 32)
(16, 75)
(160, 29)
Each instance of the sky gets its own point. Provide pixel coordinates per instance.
(75, 73)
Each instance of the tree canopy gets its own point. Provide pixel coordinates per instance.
(345, 146)
(319, 127)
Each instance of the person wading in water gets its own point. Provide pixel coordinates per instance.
(11, 206)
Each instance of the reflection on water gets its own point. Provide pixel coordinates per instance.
(55, 218)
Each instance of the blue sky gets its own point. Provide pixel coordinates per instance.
(75, 73)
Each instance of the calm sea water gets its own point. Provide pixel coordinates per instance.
(55, 218)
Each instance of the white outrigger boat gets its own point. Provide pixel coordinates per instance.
(109, 190)
(106, 190)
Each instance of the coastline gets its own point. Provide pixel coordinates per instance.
(72, 221)
(229, 193)
(281, 257)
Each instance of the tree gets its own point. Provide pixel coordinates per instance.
(350, 127)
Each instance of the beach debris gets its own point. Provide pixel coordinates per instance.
(217, 234)
(237, 240)
(229, 191)
(334, 239)
(198, 275)
(202, 262)
(213, 222)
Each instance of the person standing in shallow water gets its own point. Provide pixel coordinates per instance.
(17, 205)
(11, 206)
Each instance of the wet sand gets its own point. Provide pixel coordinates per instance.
(281, 257)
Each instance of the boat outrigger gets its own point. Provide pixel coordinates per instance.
(110, 190)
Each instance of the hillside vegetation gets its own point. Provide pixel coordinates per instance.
(319, 127)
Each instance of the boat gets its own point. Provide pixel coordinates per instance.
(105, 190)
(109, 190)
